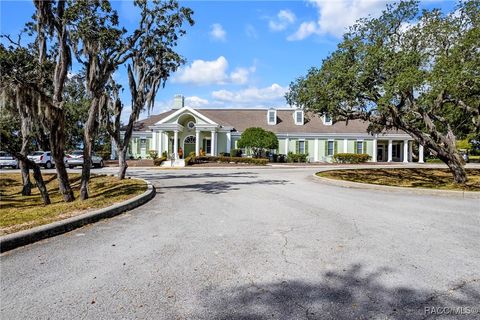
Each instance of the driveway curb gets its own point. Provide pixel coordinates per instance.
(432, 192)
(22, 238)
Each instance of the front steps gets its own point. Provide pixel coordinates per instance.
(178, 163)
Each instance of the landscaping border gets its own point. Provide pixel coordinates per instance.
(371, 186)
(25, 237)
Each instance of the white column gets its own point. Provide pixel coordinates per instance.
(374, 151)
(154, 141)
(197, 143)
(113, 151)
(286, 145)
(420, 154)
(405, 151)
(410, 151)
(229, 141)
(345, 145)
(390, 147)
(213, 146)
(175, 144)
(315, 149)
(160, 143)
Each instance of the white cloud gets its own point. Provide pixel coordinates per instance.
(195, 102)
(305, 30)
(252, 97)
(217, 32)
(203, 72)
(283, 19)
(251, 32)
(334, 17)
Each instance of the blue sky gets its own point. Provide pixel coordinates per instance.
(241, 54)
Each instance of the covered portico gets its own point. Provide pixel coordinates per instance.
(395, 149)
(185, 131)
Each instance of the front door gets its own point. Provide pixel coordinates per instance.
(188, 146)
(381, 153)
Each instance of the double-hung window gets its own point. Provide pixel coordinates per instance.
(359, 147)
(330, 148)
(301, 147)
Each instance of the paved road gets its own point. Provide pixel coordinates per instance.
(254, 244)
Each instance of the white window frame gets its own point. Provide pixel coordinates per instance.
(304, 146)
(274, 117)
(325, 122)
(328, 148)
(295, 117)
(362, 142)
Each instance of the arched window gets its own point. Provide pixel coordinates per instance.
(190, 139)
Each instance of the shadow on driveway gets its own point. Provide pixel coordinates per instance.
(350, 294)
(218, 187)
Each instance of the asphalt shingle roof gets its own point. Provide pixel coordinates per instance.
(241, 119)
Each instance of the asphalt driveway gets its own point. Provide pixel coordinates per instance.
(256, 244)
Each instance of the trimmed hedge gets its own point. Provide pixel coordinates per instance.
(205, 159)
(296, 157)
(158, 161)
(351, 157)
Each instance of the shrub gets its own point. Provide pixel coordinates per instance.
(236, 153)
(190, 159)
(158, 161)
(205, 159)
(296, 157)
(153, 154)
(105, 155)
(351, 157)
(164, 154)
(224, 154)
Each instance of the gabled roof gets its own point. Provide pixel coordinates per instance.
(241, 119)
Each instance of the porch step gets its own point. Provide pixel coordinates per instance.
(179, 163)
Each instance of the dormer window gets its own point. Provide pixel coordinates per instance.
(327, 119)
(298, 116)
(272, 117)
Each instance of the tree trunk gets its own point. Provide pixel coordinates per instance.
(455, 163)
(37, 175)
(27, 184)
(57, 142)
(122, 162)
(88, 141)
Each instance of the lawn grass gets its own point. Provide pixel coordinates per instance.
(19, 212)
(412, 178)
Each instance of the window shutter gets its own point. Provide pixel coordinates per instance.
(335, 147)
(297, 147)
(326, 147)
(355, 148)
(139, 143)
(364, 146)
(306, 146)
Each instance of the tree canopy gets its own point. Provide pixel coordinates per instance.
(417, 72)
(258, 140)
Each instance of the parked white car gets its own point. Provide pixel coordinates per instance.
(75, 158)
(7, 160)
(43, 159)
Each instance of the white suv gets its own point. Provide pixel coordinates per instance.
(7, 160)
(42, 158)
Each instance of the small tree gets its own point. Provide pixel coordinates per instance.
(416, 73)
(258, 140)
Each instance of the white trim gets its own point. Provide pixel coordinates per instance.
(420, 154)
(315, 149)
(390, 149)
(229, 142)
(301, 123)
(345, 145)
(405, 151)
(274, 115)
(182, 110)
(325, 122)
(374, 149)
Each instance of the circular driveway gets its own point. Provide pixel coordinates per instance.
(255, 244)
